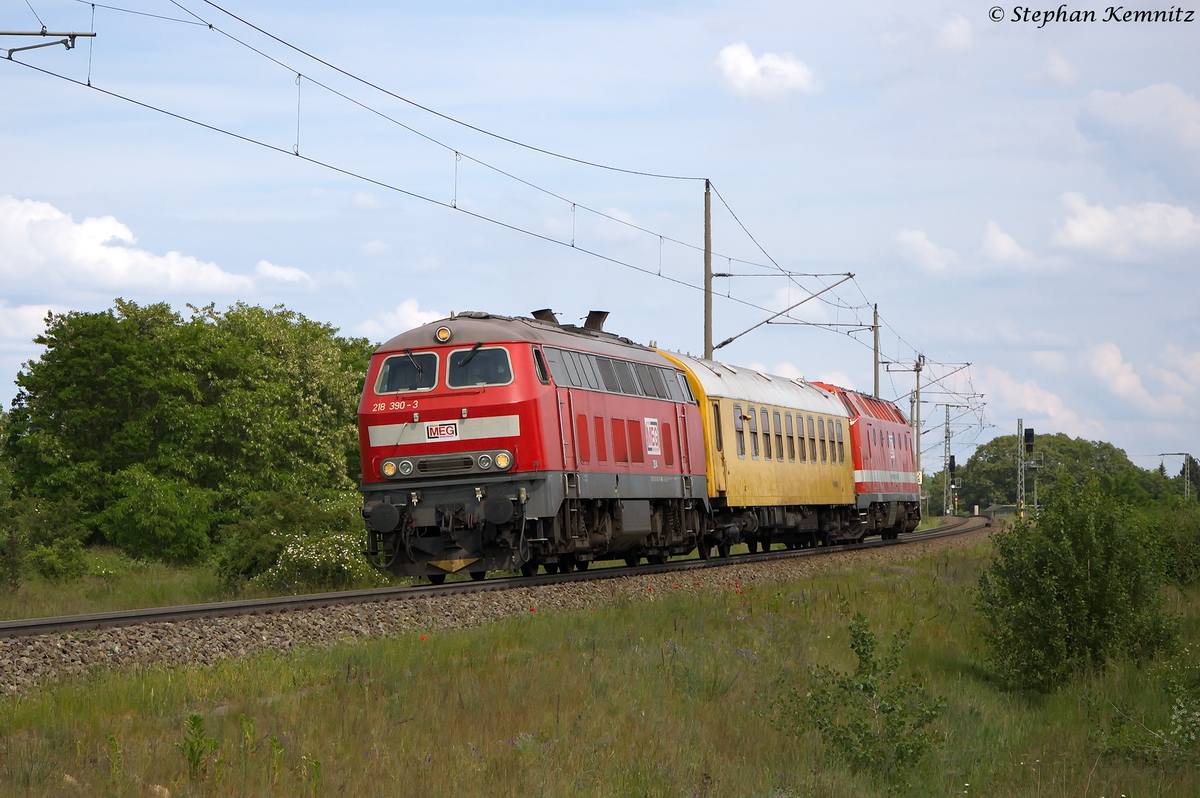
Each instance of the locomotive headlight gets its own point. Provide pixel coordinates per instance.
(389, 469)
(443, 335)
(406, 467)
(503, 460)
(485, 461)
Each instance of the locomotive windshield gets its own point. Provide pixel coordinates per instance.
(411, 371)
(472, 367)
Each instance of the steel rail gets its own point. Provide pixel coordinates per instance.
(265, 606)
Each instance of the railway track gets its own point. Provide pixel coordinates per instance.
(224, 609)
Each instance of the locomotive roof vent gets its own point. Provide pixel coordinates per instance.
(595, 320)
(546, 315)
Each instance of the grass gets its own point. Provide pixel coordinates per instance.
(667, 697)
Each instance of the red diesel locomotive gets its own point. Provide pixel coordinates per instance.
(498, 443)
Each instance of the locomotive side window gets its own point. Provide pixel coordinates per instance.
(587, 370)
(601, 451)
(821, 435)
(841, 445)
(412, 371)
(687, 389)
(716, 410)
(812, 440)
(608, 374)
(753, 419)
(472, 367)
(625, 377)
(739, 431)
(572, 367)
(778, 438)
(645, 381)
(554, 358)
(791, 436)
(766, 429)
(539, 365)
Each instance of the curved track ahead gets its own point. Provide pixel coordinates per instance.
(102, 620)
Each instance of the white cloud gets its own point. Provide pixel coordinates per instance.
(1105, 362)
(917, 249)
(767, 76)
(1007, 393)
(1155, 128)
(406, 316)
(20, 324)
(287, 274)
(788, 370)
(955, 35)
(1001, 247)
(1130, 232)
(1060, 70)
(42, 246)
(838, 378)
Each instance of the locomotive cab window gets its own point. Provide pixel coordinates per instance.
(411, 371)
(539, 366)
(477, 366)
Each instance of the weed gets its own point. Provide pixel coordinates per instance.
(875, 718)
(116, 761)
(196, 746)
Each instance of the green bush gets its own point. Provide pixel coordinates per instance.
(875, 718)
(159, 518)
(252, 546)
(1073, 588)
(61, 561)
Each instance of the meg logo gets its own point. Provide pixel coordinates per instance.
(653, 436)
(441, 431)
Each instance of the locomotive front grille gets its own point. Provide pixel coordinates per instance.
(445, 465)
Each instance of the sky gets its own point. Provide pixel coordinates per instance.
(1012, 192)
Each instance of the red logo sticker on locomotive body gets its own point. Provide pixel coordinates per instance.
(653, 436)
(441, 431)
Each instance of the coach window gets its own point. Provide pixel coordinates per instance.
(411, 371)
(812, 440)
(739, 431)
(841, 445)
(821, 436)
(791, 436)
(716, 410)
(766, 421)
(539, 365)
(778, 438)
(800, 437)
(473, 367)
(752, 417)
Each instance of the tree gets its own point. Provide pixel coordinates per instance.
(136, 408)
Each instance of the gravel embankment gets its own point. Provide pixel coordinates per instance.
(28, 661)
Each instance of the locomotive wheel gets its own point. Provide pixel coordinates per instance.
(529, 569)
(478, 576)
(657, 559)
(704, 549)
(632, 561)
(752, 546)
(723, 549)
(551, 567)
(437, 579)
(567, 566)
